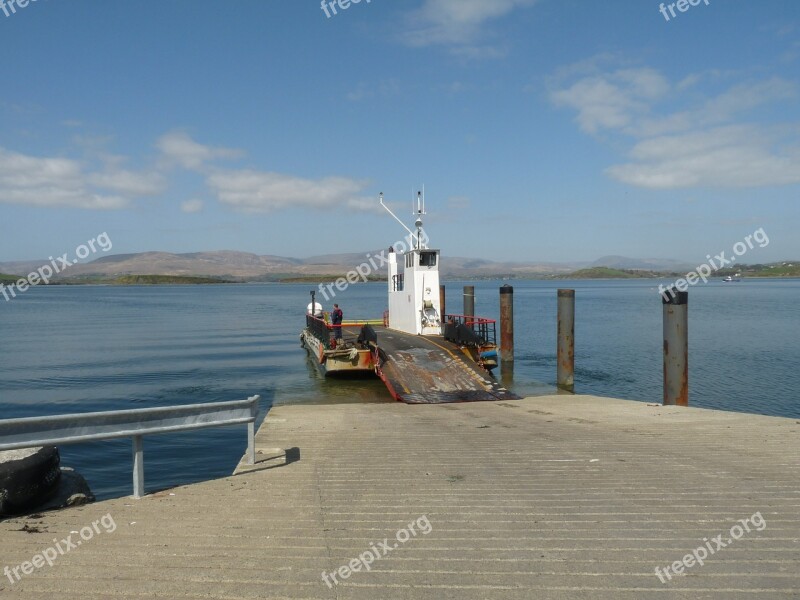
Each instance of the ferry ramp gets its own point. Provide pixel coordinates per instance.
(430, 370)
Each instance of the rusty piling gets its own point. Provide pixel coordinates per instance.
(442, 303)
(469, 301)
(676, 347)
(507, 324)
(566, 341)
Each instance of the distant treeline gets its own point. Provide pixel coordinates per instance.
(164, 280)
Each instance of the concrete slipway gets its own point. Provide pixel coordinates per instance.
(548, 497)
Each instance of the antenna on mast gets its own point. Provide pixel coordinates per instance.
(418, 222)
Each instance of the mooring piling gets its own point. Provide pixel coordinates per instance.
(507, 324)
(469, 301)
(676, 347)
(566, 340)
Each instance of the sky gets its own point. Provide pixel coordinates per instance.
(542, 130)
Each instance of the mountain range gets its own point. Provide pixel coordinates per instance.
(243, 266)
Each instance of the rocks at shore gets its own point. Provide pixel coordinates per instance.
(32, 480)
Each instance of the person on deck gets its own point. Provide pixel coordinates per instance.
(336, 318)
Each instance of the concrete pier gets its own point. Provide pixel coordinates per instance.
(547, 497)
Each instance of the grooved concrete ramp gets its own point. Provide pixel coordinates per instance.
(544, 498)
(430, 370)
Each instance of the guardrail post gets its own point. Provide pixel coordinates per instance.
(566, 340)
(251, 443)
(676, 347)
(138, 467)
(251, 431)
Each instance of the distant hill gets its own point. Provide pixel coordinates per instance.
(8, 279)
(243, 266)
(645, 264)
(782, 269)
(605, 273)
(163, 280)
(234, 266)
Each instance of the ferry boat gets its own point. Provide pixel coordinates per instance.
(414, 311)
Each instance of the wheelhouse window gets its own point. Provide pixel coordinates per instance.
(427, 259)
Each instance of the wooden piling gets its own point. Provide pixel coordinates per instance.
(676, 347)
(566, 341)
(507, 324)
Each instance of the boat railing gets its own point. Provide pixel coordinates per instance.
(32, 432)
(319, 329)
(486, 329)
(323, 330)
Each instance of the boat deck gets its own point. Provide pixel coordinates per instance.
(430, 370)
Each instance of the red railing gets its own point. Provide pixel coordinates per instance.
(486, 329)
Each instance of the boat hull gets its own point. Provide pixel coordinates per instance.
(337, 361)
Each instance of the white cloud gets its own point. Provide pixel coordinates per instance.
(61, 182)
(258, 191)
(128, 183)
(612, 101)
(679, 137)
(192, 206)
(102, 182)
(731, 156)
(459, 23)
(179, 148)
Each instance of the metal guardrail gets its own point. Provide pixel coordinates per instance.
(76, 428)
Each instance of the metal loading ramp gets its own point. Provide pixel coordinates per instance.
(431, 370)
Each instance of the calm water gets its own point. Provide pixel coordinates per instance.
(81, 349)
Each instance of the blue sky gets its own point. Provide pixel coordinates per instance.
(549, 130)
